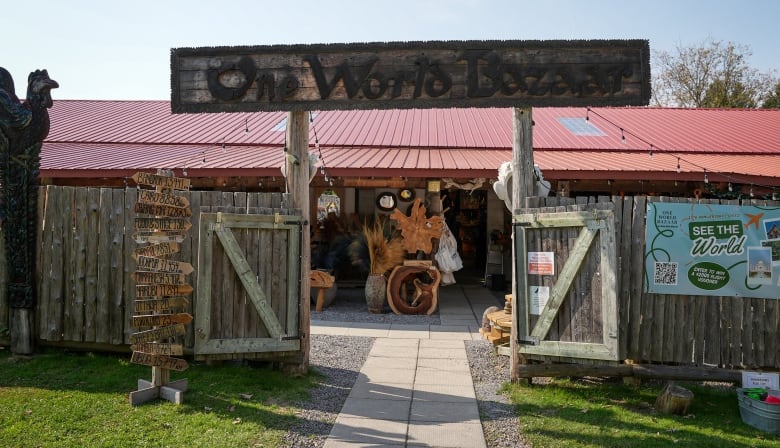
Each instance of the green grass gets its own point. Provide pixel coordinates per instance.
(59, 399)
(582, 413)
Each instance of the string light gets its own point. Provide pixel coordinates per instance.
(730, 187)
(751, 190)
(651, 150)
(706, 179)
(678, 165)
(622, 136)
(323, 168)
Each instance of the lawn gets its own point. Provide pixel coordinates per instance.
(596, 413)
(61, 399)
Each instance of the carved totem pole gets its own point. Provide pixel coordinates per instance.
(23, 127)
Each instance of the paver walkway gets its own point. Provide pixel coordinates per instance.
(415, 388)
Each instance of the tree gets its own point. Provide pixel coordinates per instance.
(773, 100)
(714, 74)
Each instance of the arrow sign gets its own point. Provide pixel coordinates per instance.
(162, 210)
(156, 320)
(159, 305)
(162, 278)
(157, 250)
(162, 361)
(163, 265)
(157, 334)
(162, 224)
(156, 198)
(159, 237)
(159, 348)
(155, 180)
(162, 290)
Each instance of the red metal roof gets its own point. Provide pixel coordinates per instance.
(114, 138)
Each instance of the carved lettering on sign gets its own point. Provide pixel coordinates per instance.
(422, 74)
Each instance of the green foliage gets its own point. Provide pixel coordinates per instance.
(81, 400)
(591, 413)
(714, 74)
(773, 101)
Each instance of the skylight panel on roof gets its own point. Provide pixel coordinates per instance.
(580, 126)
(281, 126)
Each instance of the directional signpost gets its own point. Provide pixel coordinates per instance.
(161, 288)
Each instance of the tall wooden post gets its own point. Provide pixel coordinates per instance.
(522, 187)
(297, 167)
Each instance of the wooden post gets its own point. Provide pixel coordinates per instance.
(297, 168)
(21, 323)
(522, 187)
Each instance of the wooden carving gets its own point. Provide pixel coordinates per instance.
(417, 230)
(23, 126)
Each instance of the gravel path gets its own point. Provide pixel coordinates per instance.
(339, 359)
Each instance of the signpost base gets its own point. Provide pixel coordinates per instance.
(147, 391)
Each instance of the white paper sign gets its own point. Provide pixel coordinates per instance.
(537, 298)
(541, 263)
(761, 379)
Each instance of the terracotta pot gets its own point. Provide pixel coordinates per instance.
(376, 292)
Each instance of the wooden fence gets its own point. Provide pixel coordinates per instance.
(673, 329)
(86, 294)
(85, 290)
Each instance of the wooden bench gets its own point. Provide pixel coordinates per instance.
(322, 281)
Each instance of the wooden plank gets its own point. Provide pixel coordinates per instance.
(569, 350)
(159, 305)
(162, 361)
(157, 334)
(162, 290)
(164, 265)
(159, 348)
(141, 237)
(128, 261)
(67, 308)
(79, 262)
(162, 210)
(157, 320)
(91, 270)
(162, 224)
(47, 263)
(163, 278)
(155, 180)
(258, 345)
(397, 75)
(610, 333)
(102, 326)
(189, 253)
(158, 198)
(117, 227)
(203, 297)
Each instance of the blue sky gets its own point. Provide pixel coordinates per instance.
(121, 49)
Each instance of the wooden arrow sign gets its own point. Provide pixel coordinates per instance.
(161, 278)
(159, 237)
(163, 265)
(157, 334)
(162, 361)
(155, 180)
(159, 348)
(158, 320)
(157, 250)
(162, 290)
(160, 305)
(162, 224)
(162, 210)
(156, 198)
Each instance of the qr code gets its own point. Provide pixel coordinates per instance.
(665, 273)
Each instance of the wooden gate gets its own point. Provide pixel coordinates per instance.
(248, 296)
(566, 273)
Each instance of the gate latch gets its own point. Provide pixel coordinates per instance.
(528, 340)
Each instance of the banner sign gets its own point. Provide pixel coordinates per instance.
(397, 75)
(712, 250)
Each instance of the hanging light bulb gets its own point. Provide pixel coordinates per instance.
(587, 114)
(622, 136)
(730, 187)
(678, 165)
(706, 179)
(751, 191)
(246, 125)
(651, 151)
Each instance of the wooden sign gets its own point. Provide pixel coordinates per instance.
(163, 265)
(396, 75)
(158, 320)
(162, 290)
(160, 305)
(157, 333)
(159, 237)
(162, 210)
(162, 361)
(159, 348)
(162, 278)
(157, 198)
(156, 180)
(162, 224)
(157, 250)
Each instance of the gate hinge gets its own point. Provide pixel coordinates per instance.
(285, 337)
(528, 340)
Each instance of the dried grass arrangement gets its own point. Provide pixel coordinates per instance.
(377, 250)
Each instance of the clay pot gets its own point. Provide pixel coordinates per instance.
(376, 293)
